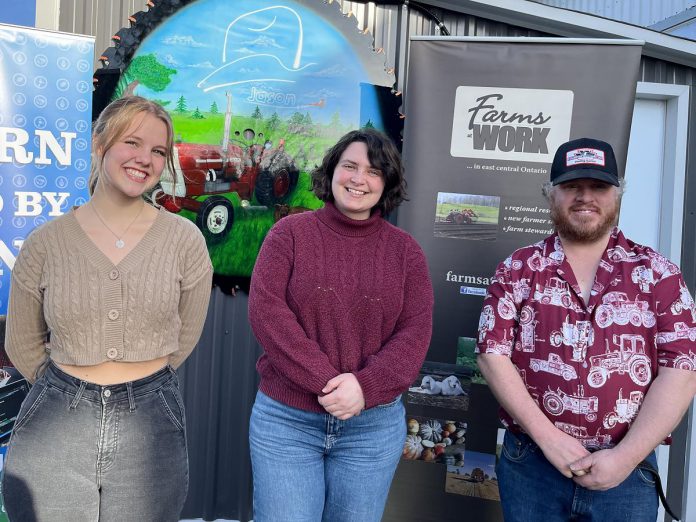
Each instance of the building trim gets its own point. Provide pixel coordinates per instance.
(574, 24)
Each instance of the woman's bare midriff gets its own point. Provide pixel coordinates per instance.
(114, 372)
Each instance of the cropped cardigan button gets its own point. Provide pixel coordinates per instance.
(113, 275)
(113, 314)
(112, 353)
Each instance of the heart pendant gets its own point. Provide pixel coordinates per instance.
(120, 243)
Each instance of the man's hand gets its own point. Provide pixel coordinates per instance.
(344, 396)
(562, 450)
(604, 469)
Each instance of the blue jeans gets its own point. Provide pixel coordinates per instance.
(310, 467)
(84, 452)
(531, 489)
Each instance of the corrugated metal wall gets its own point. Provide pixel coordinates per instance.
(219, 383)
(98, 18)
(638, 12)
(219, 379)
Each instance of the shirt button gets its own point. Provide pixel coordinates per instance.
(107, 393)
(113, 275)
(111, 353)
(113, 314)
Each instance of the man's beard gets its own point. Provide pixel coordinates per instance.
(583, 232)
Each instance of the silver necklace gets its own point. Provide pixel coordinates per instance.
(119, 239)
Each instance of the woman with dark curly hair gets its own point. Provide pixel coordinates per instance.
(341, 302)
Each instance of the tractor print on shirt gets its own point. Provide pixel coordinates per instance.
(685, 302)
(590, 442)
(553, 365)
(555, 293)
(506, 307)
(520, 290)
(617, 308)
(661, 265)
(579, 335)
(502, 347)
(619, 254)
(643, 277)
(625, 409)
(683, 361)
(526, 336)
(486, 322)
(556, 402)
(538, 263)
(681, 331)
(629, 358)
(508, 266)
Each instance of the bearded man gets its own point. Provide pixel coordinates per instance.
(605, 371)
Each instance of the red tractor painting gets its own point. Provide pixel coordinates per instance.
(459, 217)
(241, 165)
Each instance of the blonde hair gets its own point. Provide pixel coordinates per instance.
(112, 124)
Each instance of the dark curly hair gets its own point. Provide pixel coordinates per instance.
(383, 155)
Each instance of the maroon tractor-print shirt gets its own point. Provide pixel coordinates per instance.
(588, 367)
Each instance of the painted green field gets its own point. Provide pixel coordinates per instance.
(485, 214)
(236, 254)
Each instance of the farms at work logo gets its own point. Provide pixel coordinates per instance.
(510, 124)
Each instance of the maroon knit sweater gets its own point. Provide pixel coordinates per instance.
(333, 295)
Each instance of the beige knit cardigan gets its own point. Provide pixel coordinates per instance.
(69, 302)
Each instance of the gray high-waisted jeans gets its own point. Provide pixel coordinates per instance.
(88, 453)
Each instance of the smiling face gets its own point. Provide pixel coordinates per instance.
(584, 210)
(134, 163)
(356, 185)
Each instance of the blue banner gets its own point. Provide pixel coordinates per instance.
(18, 13)
(45, 127)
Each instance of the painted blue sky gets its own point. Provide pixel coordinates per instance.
(281, 57)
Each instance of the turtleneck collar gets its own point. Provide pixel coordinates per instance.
(342, 224)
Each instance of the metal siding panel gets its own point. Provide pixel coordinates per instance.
(98, 18)
(66, 14)
(219, 383)
(639, 12)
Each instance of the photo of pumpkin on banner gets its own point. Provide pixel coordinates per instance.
(257, 91)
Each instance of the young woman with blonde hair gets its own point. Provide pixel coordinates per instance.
(105, 302)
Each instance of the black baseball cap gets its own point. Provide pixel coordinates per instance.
(584, 158)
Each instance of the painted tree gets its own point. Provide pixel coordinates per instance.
(257, 113)
(273, 122)
(369, 125)
(197, 115)
(297, 119)
(145, 69)
(181, 105)
(214, 108)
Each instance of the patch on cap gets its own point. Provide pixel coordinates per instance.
(585, 156)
